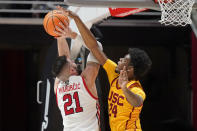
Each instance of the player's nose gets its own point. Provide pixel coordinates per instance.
(74, 65)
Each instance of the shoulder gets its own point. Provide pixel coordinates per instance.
(133, 84)
(75, 77)
(109, 62)
(109, 65)
(136, 88)
(78, 78)
(110, 68)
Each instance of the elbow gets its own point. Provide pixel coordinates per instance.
(138, 103)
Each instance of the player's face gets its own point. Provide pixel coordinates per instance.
(124, 62)
(69, 69)
(72, 68)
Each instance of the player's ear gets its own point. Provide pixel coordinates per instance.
(130, 72)
(130, 69)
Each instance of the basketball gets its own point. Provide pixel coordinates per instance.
(52, 19)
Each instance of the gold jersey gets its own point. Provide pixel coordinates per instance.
(122, 115)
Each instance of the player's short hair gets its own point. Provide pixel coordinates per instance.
(58, 65)
(140, 61)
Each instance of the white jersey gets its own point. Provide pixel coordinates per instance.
(77, 105)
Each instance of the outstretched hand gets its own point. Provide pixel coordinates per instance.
(123, 78)
(64, 31)
(67, 12)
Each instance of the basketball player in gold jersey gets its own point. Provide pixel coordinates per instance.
(126, 94)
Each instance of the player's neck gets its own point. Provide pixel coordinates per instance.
(64, 78)
(131, 79)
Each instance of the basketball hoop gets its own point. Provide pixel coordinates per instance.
(176, 12)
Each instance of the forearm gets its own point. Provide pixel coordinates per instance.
(63, 48)
(134, 99)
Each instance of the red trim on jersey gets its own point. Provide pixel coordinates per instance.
(134, 85)
(56, 97)
(117, 85)
(135, 125)
(98, 106)
(98, 114)
(98, 110)
(88, 89)
(135, 120)
(128, 120)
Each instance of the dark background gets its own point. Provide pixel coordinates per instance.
(27, 54)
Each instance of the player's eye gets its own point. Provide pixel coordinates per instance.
(124, 61)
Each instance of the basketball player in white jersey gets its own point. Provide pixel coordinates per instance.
(76, 93)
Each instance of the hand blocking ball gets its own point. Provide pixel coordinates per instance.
(52, 19)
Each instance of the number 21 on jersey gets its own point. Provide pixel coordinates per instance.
(69, 98)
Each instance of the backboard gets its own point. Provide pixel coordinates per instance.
(149, 4)
(118, 3)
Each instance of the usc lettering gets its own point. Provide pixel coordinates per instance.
(114, 100)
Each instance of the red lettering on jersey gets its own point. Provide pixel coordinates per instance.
(110, 96)
(60, 90)
(120, 97)
(78, 85)
(66, 88)
(115, 98)
(74, 87)
(69, 101)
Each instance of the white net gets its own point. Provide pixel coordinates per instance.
(176, 12)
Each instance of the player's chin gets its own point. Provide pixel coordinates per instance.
(75, 73)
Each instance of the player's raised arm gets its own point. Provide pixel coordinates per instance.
(62, 44)
(63, 49)
(87, 36)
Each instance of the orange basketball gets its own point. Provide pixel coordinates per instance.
(52, 19)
